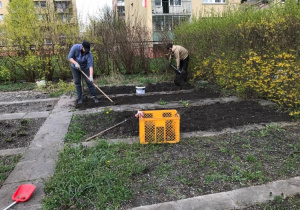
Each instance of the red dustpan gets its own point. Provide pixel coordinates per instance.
(22, 194)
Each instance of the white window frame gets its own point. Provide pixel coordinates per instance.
(1, 17)
(175, 3)
(213, 1)
(157, 5)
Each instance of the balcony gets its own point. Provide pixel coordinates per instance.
(120, 3)
(171, 7)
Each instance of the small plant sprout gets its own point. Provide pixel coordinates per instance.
(184, 103)
(162, 102)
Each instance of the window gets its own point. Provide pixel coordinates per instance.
(157, 2)
(214, 1)
(121, 9)
(65, 17)
(61, 6)
(1, 17)
(175, 2)
(40, 4)
(0, 4)
(167, 23)
(47, 41)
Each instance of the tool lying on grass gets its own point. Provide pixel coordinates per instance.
(97, 87)
(98, 134)
(176, 70)
(22, 194)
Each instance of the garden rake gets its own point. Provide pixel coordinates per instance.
(97, 87)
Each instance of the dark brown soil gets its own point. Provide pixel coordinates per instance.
(213, 117)
(158, 87)
(177, 95)
(27, 107)
(18, 133)
(200, 118)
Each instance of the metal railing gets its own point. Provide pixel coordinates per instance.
(171, 7)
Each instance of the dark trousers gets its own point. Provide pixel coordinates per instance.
(180, 79)
(77, 81)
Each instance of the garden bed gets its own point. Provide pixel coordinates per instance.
(160, 96)
(24, 107)
(18, 133)
(213, 117)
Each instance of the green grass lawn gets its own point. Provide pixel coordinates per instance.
(114, 176)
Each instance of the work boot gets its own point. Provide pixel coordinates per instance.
(95, 99)
(79, 101)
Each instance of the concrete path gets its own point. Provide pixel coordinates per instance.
(39, 159)
(235, 199)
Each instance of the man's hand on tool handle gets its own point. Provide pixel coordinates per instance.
(91, 78)
(77, 66)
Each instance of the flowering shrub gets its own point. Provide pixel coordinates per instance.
(253, 52)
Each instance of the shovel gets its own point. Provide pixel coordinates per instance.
(22, 194)
(176, 70)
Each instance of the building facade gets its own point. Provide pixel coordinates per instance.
(162, 16)
(119, 8)
(66, 9)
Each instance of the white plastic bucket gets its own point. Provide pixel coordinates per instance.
(140, 90)
(41, 83)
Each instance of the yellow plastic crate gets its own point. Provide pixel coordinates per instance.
(159, 126)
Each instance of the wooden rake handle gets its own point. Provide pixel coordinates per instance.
(98, 134)
(97, 87)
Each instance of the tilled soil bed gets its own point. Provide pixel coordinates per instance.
(37, 106)
(164, 92)
(18, 133)
(213, 117)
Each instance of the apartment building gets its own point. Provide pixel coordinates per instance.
(162, 16)
(65, 8)
(119, 8)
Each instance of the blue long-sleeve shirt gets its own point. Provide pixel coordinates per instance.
(84, 60)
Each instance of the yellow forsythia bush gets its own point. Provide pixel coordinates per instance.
(275, 77)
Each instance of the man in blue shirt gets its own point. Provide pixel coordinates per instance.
(81, 57)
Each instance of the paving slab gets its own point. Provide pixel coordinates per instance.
(12, 116)
(28, 101)
(33, 203)
(14, 151)
(235, 199)
(39, 159)
(33, 115)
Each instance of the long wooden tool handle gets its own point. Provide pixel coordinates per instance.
(98, 134)
(97, 87)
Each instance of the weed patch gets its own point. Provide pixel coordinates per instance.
(7, 164)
